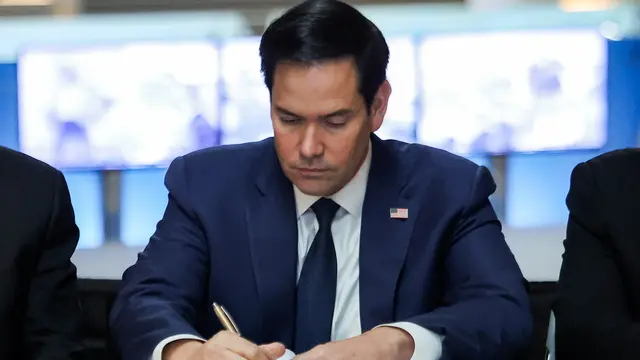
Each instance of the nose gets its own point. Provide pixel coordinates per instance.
(311, 145)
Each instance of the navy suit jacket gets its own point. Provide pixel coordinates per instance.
(229, 235)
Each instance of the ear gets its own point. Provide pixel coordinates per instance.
(379, 105)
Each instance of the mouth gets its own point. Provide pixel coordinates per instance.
(305, 172)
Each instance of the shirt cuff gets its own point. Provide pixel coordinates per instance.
(157, 352)
(428, 345)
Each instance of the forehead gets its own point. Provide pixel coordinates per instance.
(319, 88)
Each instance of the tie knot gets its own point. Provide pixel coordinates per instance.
(325, 210)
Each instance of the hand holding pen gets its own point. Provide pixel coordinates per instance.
(224, 345)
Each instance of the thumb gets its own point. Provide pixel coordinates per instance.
(273, 350)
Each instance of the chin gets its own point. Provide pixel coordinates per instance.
(314, 190)
(314, 187)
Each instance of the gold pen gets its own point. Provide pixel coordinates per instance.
(225, 319)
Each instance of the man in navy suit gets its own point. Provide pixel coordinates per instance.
(325, 239)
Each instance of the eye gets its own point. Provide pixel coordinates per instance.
(336, 121)
(289, 120)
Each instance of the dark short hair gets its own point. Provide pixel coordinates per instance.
(320, 30)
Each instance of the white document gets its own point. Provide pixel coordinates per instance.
(288, 355)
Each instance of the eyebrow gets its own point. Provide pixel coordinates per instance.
(341, 112)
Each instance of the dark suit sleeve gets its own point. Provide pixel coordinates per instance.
(486, 312)
(52, 321)
(163, 294)
(592, 314)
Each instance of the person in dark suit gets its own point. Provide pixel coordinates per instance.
(325, 239)
(598, 305)
(39, 309)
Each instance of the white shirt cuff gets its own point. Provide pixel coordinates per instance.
(157, 352)
(428, 345)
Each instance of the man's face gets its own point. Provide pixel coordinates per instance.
(320, 123)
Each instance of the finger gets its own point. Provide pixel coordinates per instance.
(223, 336)
(238, 345)
(274, 350)
(219, 352)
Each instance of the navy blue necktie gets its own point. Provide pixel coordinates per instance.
(316, 295)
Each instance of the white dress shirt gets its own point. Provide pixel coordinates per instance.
(346, 237)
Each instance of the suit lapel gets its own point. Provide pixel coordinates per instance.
(272, 226)
(383, 240)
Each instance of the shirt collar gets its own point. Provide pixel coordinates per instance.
(350, 197)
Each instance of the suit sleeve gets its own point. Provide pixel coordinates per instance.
(162, 294)
(485, 312)
(593, 320)
(51, 327)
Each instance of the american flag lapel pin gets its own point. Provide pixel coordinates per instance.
(399, 213)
